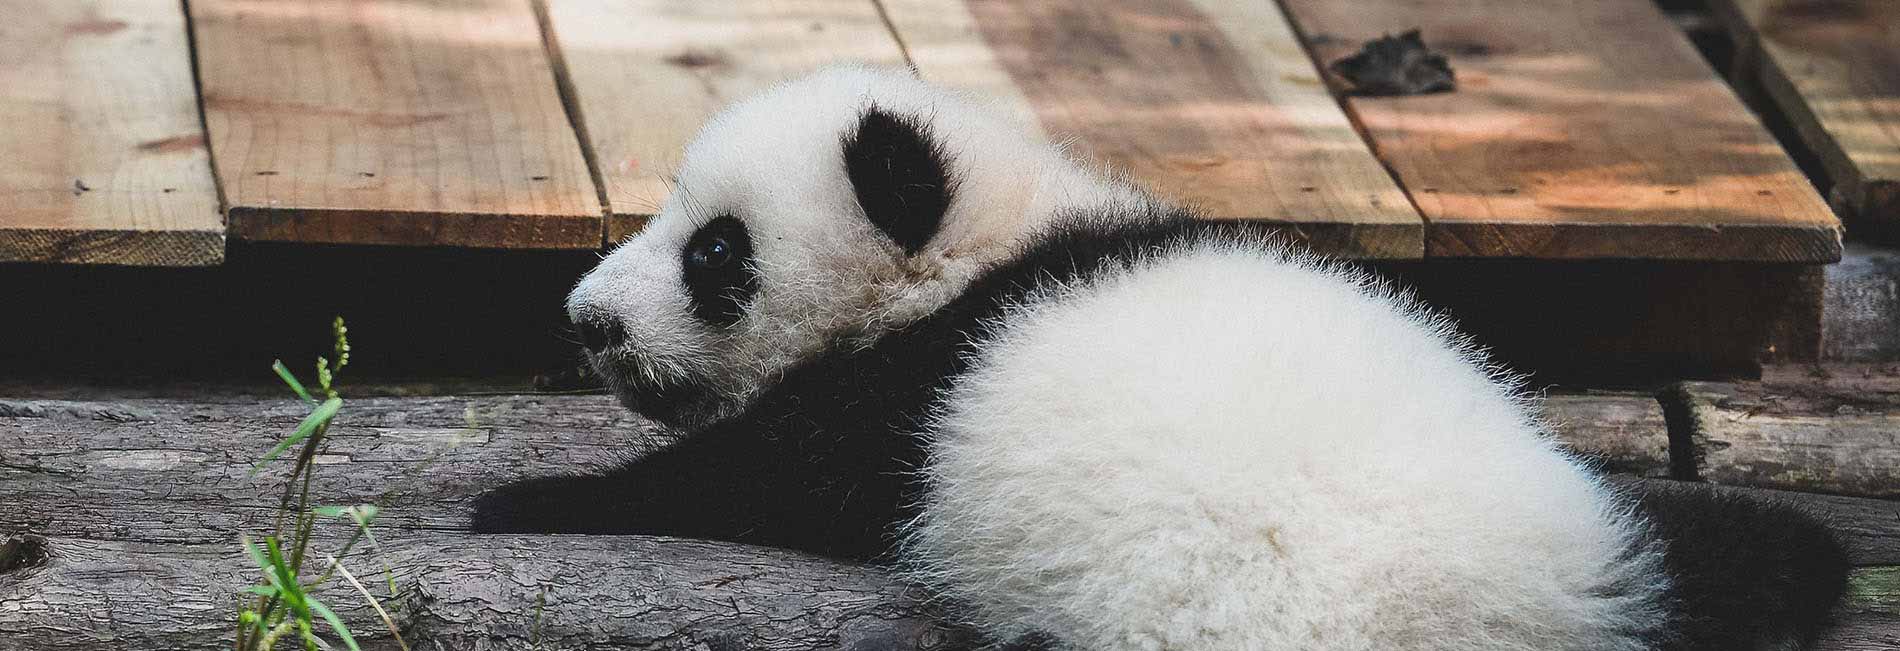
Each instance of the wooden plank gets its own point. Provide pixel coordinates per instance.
(1623, 432)
(105, 157)
(647, 74)
(1210, 103)
(1833, 68)
(1830, 430)
(366, 122)
(1578, 130)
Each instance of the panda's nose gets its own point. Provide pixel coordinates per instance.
(599, 332)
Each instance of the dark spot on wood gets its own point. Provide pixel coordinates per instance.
(695, 58)
(1396, 65)
(537, 178)
(367, 175)
(1174, 40)
(267, 173)
(173, 144)
(80, 187)
(21, 552)
(95, 27)
(169, 190)
(817, 27)
(1308, 188)
(1765, 193)
(1429, 190)
(1814, 10)
(1508, 191)
(1672, 191)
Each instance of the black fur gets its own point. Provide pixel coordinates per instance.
(717, 268)
(1746, 573)
(823, 460)
(900, 177)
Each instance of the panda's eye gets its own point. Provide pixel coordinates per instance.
(711, 254)
(719, 273)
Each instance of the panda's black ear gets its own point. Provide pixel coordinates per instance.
(900, 175)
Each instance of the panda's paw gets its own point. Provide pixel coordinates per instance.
(559, 504)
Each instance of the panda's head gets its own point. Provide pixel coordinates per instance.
(819, 214)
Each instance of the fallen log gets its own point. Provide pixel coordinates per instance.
(462, 591)
(1834, 430)
(124, 514)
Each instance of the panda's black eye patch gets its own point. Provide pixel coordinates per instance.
(718, 271)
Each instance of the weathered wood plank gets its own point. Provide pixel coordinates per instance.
(1215, 104)
(118, 469)
(1818, 433)
(136, 469)
(1625, 432)
(1833, 68)
(104, 156)
(1861, 306)
(1578, 130)
(648, 73)
(365, 122)
(464, 591)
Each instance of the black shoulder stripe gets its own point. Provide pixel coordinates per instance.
(901, 177)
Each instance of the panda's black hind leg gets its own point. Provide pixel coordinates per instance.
(1745, 573)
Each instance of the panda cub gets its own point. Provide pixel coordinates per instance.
(893, 327)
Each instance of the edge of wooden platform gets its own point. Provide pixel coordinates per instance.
(1772, 244)
(406, 228)
(126, 247)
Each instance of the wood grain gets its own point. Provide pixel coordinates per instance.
(1833, 68)
(1210, 103)
(104, 156)
(1624, 432)
(1578, 130)
(648, 73)
(463, 591)
(415, 123)
(1816, 429)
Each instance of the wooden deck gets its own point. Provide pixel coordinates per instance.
(1833, 67)
(1578, 131)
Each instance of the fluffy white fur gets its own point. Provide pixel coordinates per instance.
(1191, 454)
(774, 161)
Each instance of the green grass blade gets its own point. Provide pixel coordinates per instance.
(286, 581)
(318, 417)
(262, 590)
(336, 623)
(283, 372)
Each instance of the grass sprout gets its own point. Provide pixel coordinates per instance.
(284, 608)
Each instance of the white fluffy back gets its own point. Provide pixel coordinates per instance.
(1231, 447)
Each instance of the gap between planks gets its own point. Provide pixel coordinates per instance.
(1833, 68)
(1578, 130)
(1189, 113)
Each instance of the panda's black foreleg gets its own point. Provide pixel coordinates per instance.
(696, 487)
(733, 483)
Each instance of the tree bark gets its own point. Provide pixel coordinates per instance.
(123, 516)
(1805, 429)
